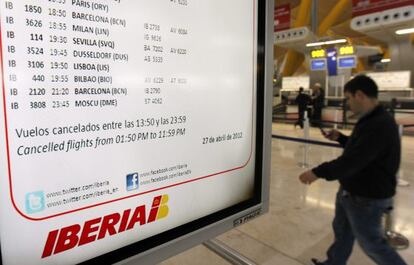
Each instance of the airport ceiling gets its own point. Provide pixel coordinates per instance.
(339, 30)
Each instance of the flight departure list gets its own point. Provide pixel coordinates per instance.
(104, 102)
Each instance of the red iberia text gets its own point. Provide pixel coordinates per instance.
(76, 235)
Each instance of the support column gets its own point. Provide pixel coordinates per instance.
(293, 59)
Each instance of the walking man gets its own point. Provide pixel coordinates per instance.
(367, 172)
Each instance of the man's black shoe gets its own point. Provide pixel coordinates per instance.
(316, 262)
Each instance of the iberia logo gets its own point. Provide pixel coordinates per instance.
(76, 235)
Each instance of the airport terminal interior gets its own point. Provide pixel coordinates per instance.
(359, 37)
(141, 132)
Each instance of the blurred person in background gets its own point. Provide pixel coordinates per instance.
(318, 102)
(303, 100)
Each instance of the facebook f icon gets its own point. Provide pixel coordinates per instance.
(132, 181)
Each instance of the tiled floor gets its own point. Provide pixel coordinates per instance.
(298, 225)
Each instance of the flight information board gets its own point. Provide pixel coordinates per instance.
(123, 120)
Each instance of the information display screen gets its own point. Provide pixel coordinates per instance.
(125, 123)
(347, 62)
(318, 64)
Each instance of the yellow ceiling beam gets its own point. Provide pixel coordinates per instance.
(305, 65)
(293, 62)
(332, 16)
(293, 58)
(386, 53)
(302, 18)
(360, 66)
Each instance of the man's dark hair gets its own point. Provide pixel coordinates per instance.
(364, 84)
(300, 89)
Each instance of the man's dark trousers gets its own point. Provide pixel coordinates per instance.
(361, 219)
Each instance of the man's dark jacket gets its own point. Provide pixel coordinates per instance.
(371, 158)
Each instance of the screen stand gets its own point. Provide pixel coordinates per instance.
(227, 253)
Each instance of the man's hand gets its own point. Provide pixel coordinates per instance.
(307, 177)
(332, 135)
